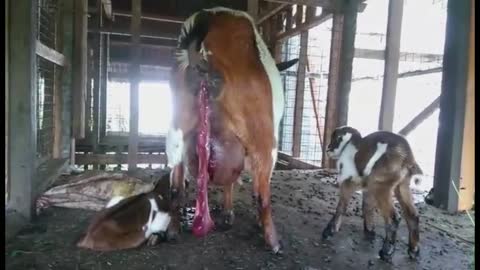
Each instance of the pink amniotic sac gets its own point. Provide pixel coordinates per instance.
(202, 221)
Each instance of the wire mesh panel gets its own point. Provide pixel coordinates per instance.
(290, 50)
(315, 93)
(47, 21)
(48, 34)
(45, 107)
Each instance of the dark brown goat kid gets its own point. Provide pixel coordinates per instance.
(128, 223)
(378, 164)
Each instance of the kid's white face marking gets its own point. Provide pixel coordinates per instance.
(335, 153)
(156, 224)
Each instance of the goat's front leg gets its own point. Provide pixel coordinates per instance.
(347, 188)
(177, 197)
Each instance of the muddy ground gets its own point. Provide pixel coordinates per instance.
(303, 203)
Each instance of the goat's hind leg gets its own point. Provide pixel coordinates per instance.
(368, 208)
(385, 204)
(404, 196)
(347, 188)
(228, 215)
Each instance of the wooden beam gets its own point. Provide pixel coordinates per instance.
(270, 13)
(58, 87)
(404, 56)
(134, 81)
(146, 16)
(404, 74)
(328, 4)
(82, 159)
(79, 68)
(315, 21)
(299, 96)
(50, 54)
(422, 116)
(294, 163)
(450, 166)
(22, 115)
(392, 56)
(331, 112)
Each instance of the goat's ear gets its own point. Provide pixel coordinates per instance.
(287, 64)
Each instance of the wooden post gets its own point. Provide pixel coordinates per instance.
(346, 59)
(342, 51)
(22, 98)
(454, 164)
(392, 55)
(134, 81)
(299, 96)
(331, 112)
(97, 81)
(467, 173)
(58, 86)
(252, 6)
(7, 66)
(68, 22)
(103, 84)
(79, 67)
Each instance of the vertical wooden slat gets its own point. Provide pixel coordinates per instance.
(97, 81)
(467, 173)
(79, 67)
(392, 55)
(22, 98)
(103, 84)
(134, 81)
(288, 19)
(346, 59)
(252, 6)
(299, 16)
(331, 113)
(7, 186)
(299, 95)
(68, 141)
(57, 86)
(448, 162)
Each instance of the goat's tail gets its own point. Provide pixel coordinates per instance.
(416, 173)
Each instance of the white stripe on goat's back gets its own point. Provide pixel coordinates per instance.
(381, 149)
(114, 200)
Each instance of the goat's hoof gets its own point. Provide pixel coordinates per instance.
(227, 220)
(414, 253)
(369, 235)
(277, 249)
(328, 232)
(153, 240)
(172, 235)
(386, 253)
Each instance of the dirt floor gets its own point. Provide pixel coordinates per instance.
(303, 203)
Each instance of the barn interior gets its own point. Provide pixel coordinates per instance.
(88, 97)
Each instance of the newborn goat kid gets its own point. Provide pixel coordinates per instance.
(128, 223)
(379, 163)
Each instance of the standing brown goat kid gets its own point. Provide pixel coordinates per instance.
(378, 164)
